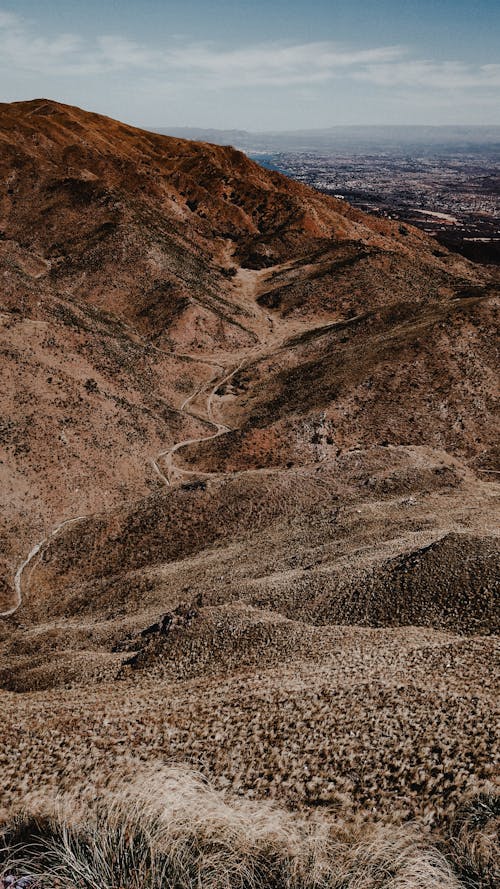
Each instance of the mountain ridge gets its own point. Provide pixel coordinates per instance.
(249, 440)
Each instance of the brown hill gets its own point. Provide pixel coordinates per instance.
(149, 227)
(249, 463)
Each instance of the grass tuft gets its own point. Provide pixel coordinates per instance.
(174, 831)
(475, 840)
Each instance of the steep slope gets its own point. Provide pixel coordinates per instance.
(414, 372)
(152, 227)
(201, 251)
(86, 405)
(249, 461)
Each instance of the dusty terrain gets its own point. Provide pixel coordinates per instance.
(250, 478)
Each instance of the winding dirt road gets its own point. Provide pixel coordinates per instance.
(220, 429)
(247, 285)
(36, 549)
(247, 288)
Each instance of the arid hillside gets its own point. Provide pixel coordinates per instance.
(250, 481)
(154, 229)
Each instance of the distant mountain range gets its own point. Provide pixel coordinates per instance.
(354, 139)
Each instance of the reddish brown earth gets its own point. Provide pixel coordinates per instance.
(273, 420)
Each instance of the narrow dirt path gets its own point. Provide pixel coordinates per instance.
(220, 429)
(36, 549)
(248, 284)
(248, 288)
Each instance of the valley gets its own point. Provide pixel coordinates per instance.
(250, 477)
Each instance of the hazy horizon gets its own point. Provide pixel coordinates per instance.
(335, 127)
(352, 140)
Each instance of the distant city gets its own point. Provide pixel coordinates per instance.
(456, 198)
(445, 180)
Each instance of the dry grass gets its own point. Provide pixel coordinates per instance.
(173, 830)
(318, 713)
(475, 840)
(392, 725)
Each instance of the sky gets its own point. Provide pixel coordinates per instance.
(261, 65)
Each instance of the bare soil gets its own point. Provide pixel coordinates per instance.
(250, 474)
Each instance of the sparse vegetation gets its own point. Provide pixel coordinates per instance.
(173, 831)
(243, 527)
(474, 840)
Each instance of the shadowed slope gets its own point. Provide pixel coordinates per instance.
(141, 223)
(248, 440)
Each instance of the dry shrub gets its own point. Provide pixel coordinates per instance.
(474, 840)
(398, 858)
(171, 830)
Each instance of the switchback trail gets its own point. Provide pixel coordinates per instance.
(36, 549)
(247, 286)
(220, 428)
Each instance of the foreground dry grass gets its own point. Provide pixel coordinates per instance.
(171, 829)
(394, 724)
(265, 680)
(307, 616)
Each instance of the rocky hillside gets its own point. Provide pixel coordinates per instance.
(249, 456)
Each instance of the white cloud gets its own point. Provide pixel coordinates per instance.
(205, 66)
(273, 64)
(21, 49)
(431, 75)
(118, 53)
